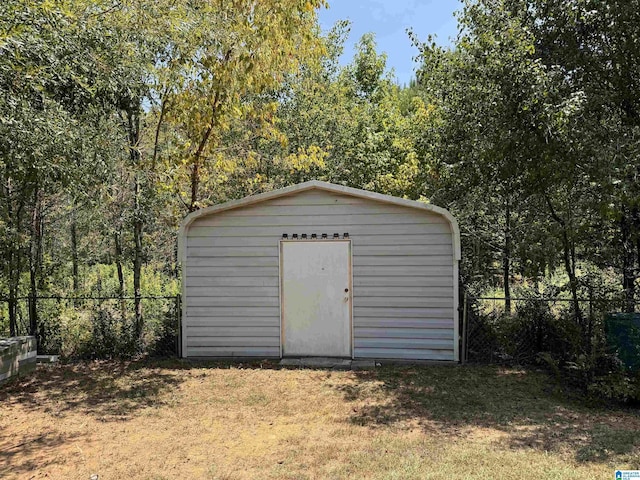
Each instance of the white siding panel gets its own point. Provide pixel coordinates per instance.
(260, 352)
(235, 291)
(418, 239)
(311, 220)
(402, 312)
(403, 281)
(401, 302)
(402, 276)
(389, 324)
(233, 251)
(217, 241)
(396, 332)
(222, 272)
(232, 261)
(410, 290)
(404, 354)
(401, 271)
(239, 311)
(434, 241)
(401, 261)
(253, 341)
(230, 321)
(403, 250)
(223, 301)
(309, 227)
(233, 331)
(409, 343)
(219, 281)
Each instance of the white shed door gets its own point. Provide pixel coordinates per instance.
(316, 298)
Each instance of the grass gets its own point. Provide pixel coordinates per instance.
(175, 420)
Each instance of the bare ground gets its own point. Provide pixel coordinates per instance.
(175, 420)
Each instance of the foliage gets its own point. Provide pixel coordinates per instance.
(116, 119)
(544, 332)
(230, 53)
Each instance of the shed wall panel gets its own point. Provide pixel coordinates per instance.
(402, 276)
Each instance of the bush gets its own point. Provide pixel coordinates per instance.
(91, 329)
(519, 338)
(547, 333)
(604, 376)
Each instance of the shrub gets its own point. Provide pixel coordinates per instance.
(547, 333)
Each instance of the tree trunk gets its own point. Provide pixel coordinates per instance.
(14, 281)
(118, 248)
(11, 259)
(74, 252)
(35, 262)
(628, 261)
(197, 156)
(121, 286)
(569, 266)
(568, 254)
(133, 124)
(634, 257)
(176, 259)
(195, 183)
(137, 262)
(506, 257)
(15, 270)
(163, 112)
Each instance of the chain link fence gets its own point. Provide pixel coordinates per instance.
(493, 333)
(97, 327)
(103, 327)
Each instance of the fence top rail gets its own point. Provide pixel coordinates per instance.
(552, 299)
(54, 297)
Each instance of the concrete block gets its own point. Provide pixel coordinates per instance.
(8, 358)
(363, 365)
(47, 358)
(27, 344)
(322, 362)
(17, 355)
(290, 362)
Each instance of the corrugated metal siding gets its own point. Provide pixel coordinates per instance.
(402, 276)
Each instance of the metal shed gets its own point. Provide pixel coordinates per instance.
(318, 269)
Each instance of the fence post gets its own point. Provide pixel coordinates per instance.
(33, 314)
(179, 325)
(463, 355)
(590, 325)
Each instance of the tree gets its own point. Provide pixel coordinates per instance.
(595, 47)
(494, 100)
(352, 125)
(234, 52)
(47, 115)
(538, 115)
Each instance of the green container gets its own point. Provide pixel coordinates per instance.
(623, 337)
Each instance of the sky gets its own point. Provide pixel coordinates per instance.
(388, 20)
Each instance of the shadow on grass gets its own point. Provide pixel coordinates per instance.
(108, 391)
(40, 449)
(524, 408)
(518, 409)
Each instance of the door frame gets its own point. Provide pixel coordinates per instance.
(281, 289)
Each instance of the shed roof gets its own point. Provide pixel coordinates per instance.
(329, 187)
